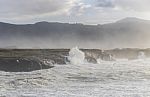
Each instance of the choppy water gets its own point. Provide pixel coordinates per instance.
(108, 79)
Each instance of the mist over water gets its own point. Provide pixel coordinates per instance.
(77, 57)
(125, 33)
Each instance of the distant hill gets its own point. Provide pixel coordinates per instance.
(128, 32)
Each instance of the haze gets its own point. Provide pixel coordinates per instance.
(84, 23)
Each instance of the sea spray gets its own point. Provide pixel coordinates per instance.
(141, 55)
(76, 56)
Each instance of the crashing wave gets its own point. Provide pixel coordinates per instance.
(76, 56)
(141, 55)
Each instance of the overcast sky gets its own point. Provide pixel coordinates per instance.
(72, 11)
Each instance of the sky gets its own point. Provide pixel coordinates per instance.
(72, 11)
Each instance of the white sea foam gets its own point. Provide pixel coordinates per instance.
(141, 55)
(107, 79)
(120, 78)
(76, 56)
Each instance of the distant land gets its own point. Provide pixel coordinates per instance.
(126, 33)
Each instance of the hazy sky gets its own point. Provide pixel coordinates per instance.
(81, 11)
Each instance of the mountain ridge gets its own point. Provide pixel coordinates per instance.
(121, 20)
(128, 32)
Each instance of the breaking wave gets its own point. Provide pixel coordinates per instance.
(76, 56)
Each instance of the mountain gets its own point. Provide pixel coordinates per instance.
(128, 32)
(132, 19)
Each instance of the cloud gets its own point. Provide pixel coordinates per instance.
(79, 9)
(133, 5)
(105, 3)
(106, 11)
(18, 8)
(84, 11)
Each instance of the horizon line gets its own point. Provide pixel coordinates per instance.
(73, 22)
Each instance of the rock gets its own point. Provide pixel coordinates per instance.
(22, 64)
(91, 60)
